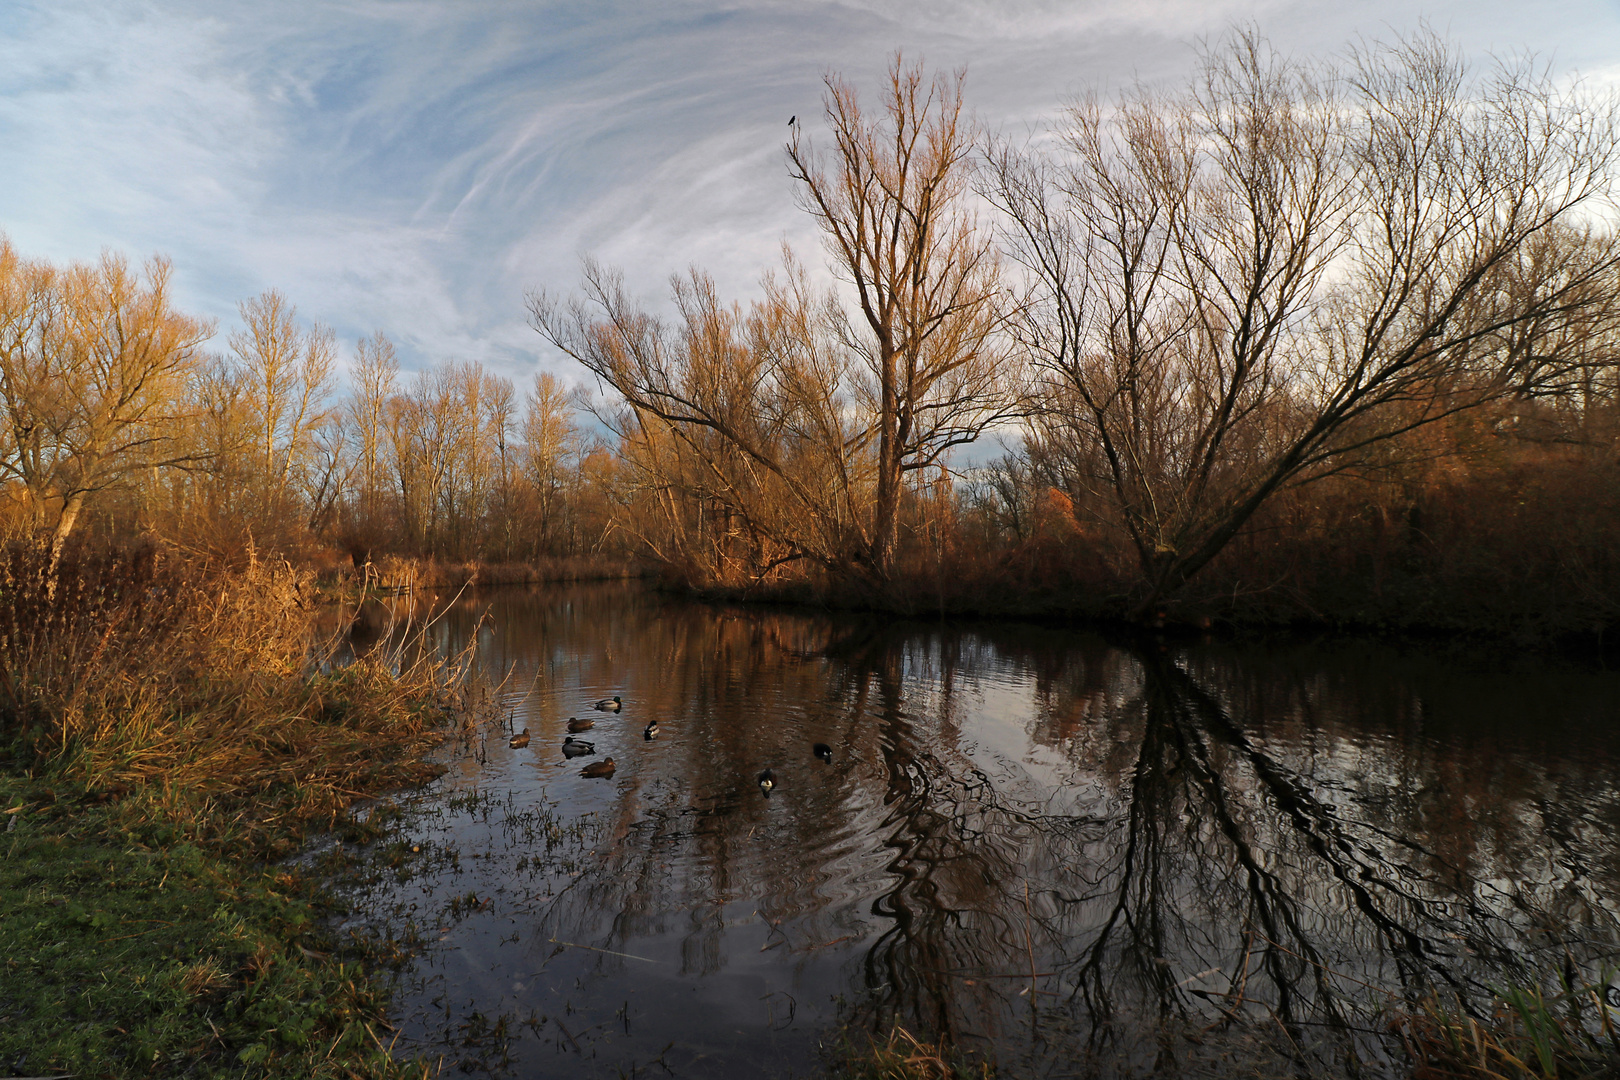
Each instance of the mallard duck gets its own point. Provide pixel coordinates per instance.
(598, 768)
(520, 740)
(822, 751)
(575, 724)
(609, 705)
(573, 747)
(651, 732)
(767, 780)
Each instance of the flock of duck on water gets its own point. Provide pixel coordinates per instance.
(573, 748)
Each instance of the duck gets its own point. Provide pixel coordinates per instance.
(575, 724)
(822, 751)
(767, 780)
(609, 705)
(598, 768)
(520, 740)
(652, 731)
(573, 747)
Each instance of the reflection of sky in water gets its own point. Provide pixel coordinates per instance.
(1205, 833)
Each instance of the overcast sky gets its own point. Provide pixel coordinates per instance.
(415, 166)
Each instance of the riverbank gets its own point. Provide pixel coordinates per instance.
(166, 735)
(1408, 608)
(129, 953)
(398, 574)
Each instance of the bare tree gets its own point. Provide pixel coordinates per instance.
(550, 444)
(749, 412)
(288, 377)
(375, 373)
(93, 360)
(1242, 287)
(790, 429)
(926, 278)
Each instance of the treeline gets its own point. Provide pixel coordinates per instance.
(119, 423)
(1296, 340)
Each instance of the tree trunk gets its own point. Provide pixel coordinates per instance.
(887, 511)
(64, 528)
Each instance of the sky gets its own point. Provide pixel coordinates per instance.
(416, 167)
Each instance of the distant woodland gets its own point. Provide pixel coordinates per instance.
(1294, 341)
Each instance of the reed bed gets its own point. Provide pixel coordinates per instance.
(205, 691)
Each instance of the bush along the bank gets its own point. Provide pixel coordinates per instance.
(165, 727)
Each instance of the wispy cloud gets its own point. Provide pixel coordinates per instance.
(415, 166)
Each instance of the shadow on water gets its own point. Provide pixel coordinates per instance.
(1070, 856)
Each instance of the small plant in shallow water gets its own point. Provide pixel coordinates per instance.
(1571, 1035)
(904, 1056)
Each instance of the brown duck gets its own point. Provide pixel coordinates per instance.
(576, 724)
(598, 768)
(520, 740)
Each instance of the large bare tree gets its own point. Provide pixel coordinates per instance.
(892, 202)
(1245, 285)
(801, 418)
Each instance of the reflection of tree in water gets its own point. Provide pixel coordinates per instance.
(1209, 853)
(1205, 882)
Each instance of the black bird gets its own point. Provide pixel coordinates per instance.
(652, 731)
(607, 705)
(794, 119)
(573, 747)
(822, 751)
(767, 780)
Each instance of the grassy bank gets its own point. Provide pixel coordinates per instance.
(165, 729)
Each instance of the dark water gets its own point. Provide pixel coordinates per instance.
(1071, 857)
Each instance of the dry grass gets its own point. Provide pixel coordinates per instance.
(1528, 1035)
(394, 573)
(904, 1056)
(204, 692)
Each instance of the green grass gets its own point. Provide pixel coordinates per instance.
(128, 956)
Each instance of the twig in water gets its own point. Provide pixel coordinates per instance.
(571, 1040)
(609, 952)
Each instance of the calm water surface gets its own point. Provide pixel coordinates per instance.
(1071, 856)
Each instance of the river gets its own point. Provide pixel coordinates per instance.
(1069, 855)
